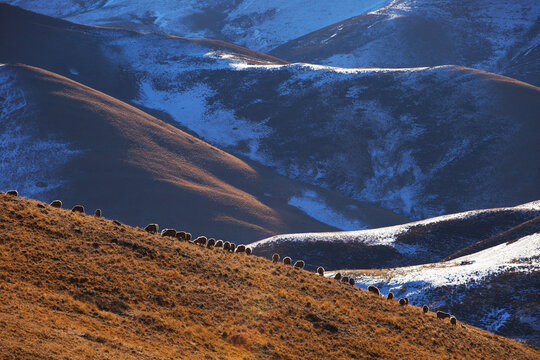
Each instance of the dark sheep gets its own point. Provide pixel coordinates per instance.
(390, 295)
(97, 213)
(226, 246)
(78, 208)
(211, 242)
(352, 281)
(56, 203)
(275, 258)
(442, 315)
(453, 320)
(402, 302)
(201, 240)
(337, 276)
(287, 260)
(241, 248)
(320, 270)
(219, 244)
(152, 228)
(345, 279)
(13, 193)
(248, 251)
(181, 235)
(188, 236)
(232, 246)
(407, 300)
(425, 309)
(299, 264)
(374, 290)
(168, 232)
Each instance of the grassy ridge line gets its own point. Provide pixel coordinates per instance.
(76, 286)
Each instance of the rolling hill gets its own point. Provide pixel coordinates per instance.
(77, 286)
(421, 141)
(425, 241)
(500, 36)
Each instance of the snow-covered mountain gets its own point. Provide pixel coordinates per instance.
(500, 36)
(420, 242)
(495, 289)
(420, 141)
(259, 25)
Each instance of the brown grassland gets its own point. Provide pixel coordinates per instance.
(74, 286)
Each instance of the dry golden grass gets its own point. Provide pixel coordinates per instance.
(73, 286)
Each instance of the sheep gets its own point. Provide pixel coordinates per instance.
(425, 309)
(152, 228)
(12, 193)
(201, 240)
(275, 258)
(78, 208)
(211, 242)
(299, 264)
(188, 236)
(374, 290)
(287, 260)
(219, 244)
(168, 232)
(407, 300)
(351, 281)
(248, 251)
(226, 246)
(97, 213)
(241, 248)
(402, 302)
(390, 296)
(56, 203)
(345, 279)
(320, 270)
(181, 235)
(453, 320)
(337, 276)
(232, 246)
(442, 315)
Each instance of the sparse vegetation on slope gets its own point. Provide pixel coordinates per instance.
(76, 286)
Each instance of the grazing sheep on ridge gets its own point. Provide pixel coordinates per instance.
(453, 320)
(219, 244)
(181, 235)
(78, 208)
(299, 264)
(226, 246)
(12, 193)
(402, 302)
(345, 279)
(188, 236)
(352, 281)
(275, 258)
(248, 251)
(407, 300)
(232, 246)
(211, 242)
(152, 228)
(374, 290)
(168, 232)
(241, 248)
(442, 315)
(201, 240)
(97, 213)
(320, 270)
(390, 296)
(287, 260)
(56, 203)
(337, 276)
(425, 309)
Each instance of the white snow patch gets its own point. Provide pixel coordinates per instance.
(310, 203)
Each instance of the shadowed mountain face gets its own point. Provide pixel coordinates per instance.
(422, 142)
(500, 36)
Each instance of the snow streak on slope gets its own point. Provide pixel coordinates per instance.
(256, 24)
(27, 162)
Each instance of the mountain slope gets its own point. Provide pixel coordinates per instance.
(495, 289)
(78, 286)
(61, 139)
(420, 242)
(500, 36)
(259, 25)
(421, 142)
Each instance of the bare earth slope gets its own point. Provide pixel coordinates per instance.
(74, 286)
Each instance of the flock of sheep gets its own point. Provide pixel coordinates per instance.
(232, 247)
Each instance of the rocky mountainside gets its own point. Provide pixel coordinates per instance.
(72, 285)
(500, 36)
(421, 142)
